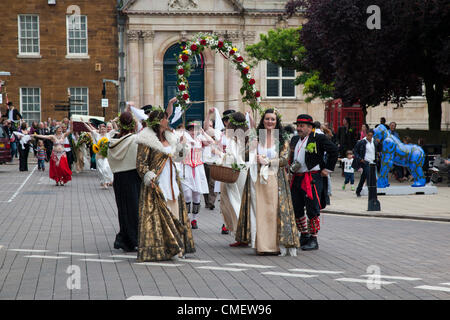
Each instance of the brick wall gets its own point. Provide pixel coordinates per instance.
(53, 72)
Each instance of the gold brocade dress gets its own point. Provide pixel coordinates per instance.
(275, 218)
(162, 232)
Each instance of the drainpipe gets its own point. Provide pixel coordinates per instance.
(121, 21)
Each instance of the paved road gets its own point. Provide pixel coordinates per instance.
(49, 235)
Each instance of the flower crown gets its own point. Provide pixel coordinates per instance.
(127, 127)
(275, 110)
(155, 121)
(237, 123)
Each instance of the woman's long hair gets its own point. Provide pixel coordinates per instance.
(126, 119)
(157, 115)
(279, 126)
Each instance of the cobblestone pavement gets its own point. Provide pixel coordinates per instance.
(49, 235)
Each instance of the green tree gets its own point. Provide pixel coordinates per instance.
(283, 47)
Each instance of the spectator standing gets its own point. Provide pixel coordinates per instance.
(364, 153)
(41, 154)
(345, 137)
(364, 130)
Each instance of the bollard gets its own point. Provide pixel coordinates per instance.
(374, 204)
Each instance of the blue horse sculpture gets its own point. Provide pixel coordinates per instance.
(396, 152)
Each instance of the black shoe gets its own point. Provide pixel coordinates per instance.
(194, 224)
(212, 207)
(304, 238)
(311, 245)
(120, 245)
(358, 194)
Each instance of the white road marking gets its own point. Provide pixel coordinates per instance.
(77, 254)
(285, 274)
(45, 257)
(444, 283)
(27, 250)
(23, 183)
(364, 281)
(221, 269)
(1, 247)
(245, 265)
(101, 260)
(391, 277)
(315, 271)
(195, 261)
(158, 264)
(167, 298)
(123, 256)
(436, 288)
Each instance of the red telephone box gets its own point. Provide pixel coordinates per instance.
(335, 112)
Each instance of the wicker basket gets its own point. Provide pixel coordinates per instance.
(223, 174)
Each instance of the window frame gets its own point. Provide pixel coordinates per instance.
(87, 100)
(19, 37)
(71, 54)
(23, 112)
(280, 79)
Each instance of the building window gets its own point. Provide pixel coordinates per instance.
(80, 98)
(77, 35)
(280, 81)
(28, 34)
(30, 104)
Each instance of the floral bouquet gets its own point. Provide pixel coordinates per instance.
(101, 147)
(85, 138)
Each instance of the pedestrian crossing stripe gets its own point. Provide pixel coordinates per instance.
(245, 265)
(365, 281)
(158, 264)
(123, 256)
(316, 271)
(436, 288)
(392, 277)
(45, 257)
(195, 261)
(27, 250)
(285, 274)
(101, 260)
(77, 254)
(221, 269)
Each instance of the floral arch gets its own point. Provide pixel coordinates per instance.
(195, 47)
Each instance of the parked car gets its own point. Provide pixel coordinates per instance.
(5, 147)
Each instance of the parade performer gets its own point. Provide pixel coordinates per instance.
(103, 168)
(266, 195)
(122, 155)
(231, 193)
(193, 177)
(164, 228)
(309, 180)
(59, 167)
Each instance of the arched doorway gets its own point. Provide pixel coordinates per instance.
(196, 84)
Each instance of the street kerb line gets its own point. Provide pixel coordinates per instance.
(21, 186)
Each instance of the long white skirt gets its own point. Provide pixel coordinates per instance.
(194, 178)
(103, 169)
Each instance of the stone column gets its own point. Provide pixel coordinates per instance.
(133, 66)
(234, 79)
(149, 92)
(219, 76)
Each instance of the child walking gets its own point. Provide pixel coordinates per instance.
(349, 172)
(41, 154)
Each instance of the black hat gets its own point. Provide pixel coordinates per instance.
(226, 114)
(304, 118)
(9, 103)
(147, 109)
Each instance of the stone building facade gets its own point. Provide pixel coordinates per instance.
(50, 52)
(154, 27)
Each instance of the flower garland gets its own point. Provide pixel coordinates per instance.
(128, 127)
(236, 123)
(155, 121)
(196, 46)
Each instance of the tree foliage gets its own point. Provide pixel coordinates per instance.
(382, 65)
(283, 47)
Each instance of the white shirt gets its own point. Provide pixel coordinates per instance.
(10, 114)
(164, 179)
(348, 165)
(299, 155)
(370, 151)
